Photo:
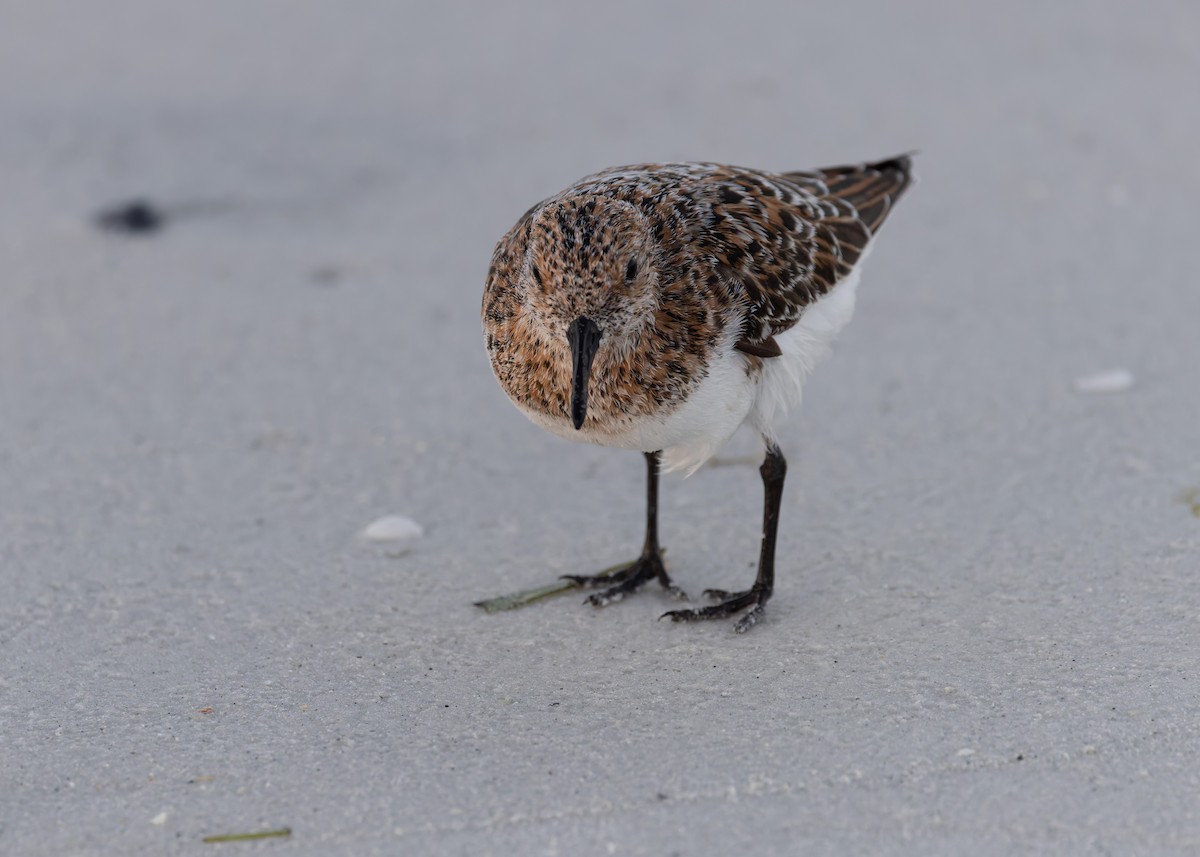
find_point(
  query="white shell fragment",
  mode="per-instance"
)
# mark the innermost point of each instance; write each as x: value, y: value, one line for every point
x: 393, y: 528
x: 1113, y: 381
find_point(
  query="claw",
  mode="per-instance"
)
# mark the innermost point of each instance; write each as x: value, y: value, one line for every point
x: 677, y: 593
x: 622, y: 580
x: 732, y: 603
x: 749, y: 620
x: 603, y: 599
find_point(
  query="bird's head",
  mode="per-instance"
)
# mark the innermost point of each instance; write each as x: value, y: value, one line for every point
x: 589, y: 281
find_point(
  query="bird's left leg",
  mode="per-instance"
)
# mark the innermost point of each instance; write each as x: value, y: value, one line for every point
x: 647, y: 567
x: 773, y: 471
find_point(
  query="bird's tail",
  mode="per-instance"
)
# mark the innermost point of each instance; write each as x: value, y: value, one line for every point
x: 871, y: 188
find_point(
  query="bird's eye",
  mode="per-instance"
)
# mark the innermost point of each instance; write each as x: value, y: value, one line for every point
x: 631, y: 269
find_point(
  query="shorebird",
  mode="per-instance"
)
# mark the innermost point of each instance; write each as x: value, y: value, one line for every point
x: 657, y: 307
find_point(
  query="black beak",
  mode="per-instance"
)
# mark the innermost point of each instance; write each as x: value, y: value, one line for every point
x: 584, y: 337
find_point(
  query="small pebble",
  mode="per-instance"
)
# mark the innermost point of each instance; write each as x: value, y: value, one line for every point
x: 393, y: 528
x: 1113, y: 381
x: 137, y: 217
x: 159, y: 819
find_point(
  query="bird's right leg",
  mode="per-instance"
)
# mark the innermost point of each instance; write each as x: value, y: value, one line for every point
x: 773, y: 471
x: 649, y: 566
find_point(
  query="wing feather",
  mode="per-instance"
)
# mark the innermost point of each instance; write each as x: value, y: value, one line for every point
x: 789, y: 238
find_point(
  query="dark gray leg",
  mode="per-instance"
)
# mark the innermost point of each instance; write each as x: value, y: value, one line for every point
x: 645, y: 568
x: 773, y: 470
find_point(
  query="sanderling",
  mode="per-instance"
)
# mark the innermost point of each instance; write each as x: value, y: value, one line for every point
x: 658, y: 307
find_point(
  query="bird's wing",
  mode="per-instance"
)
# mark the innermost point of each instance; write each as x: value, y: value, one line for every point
x: 787, y: 239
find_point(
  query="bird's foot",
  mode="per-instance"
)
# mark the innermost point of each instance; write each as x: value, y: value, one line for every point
x: 625, y: 580
x: 728, y: 604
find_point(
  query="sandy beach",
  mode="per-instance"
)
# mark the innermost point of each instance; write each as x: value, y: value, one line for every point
x: 984, y: 632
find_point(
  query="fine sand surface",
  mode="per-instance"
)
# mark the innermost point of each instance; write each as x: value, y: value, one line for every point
x: 984, y: 637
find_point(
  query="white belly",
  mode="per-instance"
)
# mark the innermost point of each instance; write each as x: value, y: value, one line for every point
x: 804, y: 345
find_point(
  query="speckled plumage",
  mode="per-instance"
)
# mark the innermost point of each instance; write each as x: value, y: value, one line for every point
x: 726, y: 248
x: 711, y: 287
